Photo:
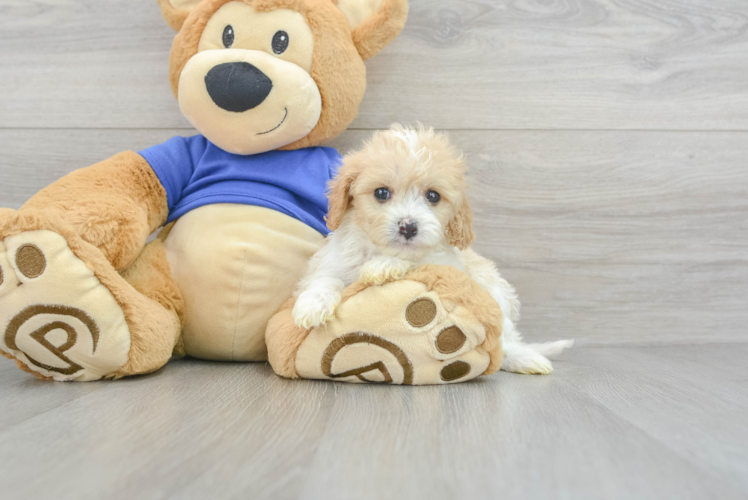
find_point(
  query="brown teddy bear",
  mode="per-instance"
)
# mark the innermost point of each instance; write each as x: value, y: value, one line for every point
x: 83, y: 296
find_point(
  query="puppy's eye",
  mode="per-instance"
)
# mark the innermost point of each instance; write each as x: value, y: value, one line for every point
x: 228, y: 36
x: 433, y: 197
x: 382, y: 194
x: 280, y: 42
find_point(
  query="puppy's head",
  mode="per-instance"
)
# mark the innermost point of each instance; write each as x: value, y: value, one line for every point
x: 406, y: 190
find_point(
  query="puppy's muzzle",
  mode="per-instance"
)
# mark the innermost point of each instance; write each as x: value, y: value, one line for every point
x: 237, y: 86
x: 408, y: 229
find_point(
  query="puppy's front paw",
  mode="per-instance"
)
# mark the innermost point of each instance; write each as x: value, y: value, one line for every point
x: 383, y: 269
x: 314, y: 308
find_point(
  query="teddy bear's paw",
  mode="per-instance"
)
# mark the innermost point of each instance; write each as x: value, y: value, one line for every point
x: 399, y: 333
x: 55, y: 315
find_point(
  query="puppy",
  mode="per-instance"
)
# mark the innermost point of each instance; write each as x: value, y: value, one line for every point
x: 400, y: 203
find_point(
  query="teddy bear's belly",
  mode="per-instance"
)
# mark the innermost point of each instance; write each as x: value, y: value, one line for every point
x: 235, y: 265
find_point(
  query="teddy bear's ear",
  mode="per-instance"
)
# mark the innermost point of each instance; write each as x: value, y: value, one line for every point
x: 374, y: 23
x: 176, y: 11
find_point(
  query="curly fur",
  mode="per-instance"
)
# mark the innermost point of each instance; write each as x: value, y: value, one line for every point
x: 368, y: 244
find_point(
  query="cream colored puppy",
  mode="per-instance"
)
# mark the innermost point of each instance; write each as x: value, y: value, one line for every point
x: 396, y: 204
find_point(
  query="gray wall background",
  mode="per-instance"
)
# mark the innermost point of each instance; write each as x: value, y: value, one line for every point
x: 608, y: 139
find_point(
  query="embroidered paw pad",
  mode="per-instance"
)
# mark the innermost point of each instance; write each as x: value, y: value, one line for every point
x: 398, y: 333
x: 55, y: 315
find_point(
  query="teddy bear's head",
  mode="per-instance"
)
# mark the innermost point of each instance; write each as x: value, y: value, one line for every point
x: 258, y: 75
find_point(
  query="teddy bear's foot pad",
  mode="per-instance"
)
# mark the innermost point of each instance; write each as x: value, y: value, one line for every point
x: 398, y: 333
x: 55, y: 315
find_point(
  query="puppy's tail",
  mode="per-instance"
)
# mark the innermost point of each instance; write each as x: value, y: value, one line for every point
x: 551, y: 349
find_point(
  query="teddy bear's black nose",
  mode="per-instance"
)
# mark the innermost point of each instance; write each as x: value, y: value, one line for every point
x: 237, y: 86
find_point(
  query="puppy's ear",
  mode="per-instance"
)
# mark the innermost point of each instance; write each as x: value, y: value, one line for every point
x: 374, y: 23
x: 460, y: 228
x: 176, y: 11
x: 340, y: 196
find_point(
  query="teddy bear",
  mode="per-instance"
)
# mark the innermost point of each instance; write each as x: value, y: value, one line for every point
x: 86, y: 293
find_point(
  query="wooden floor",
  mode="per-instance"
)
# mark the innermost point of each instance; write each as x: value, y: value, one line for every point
x: 612, y: 422
x: 608, y: 146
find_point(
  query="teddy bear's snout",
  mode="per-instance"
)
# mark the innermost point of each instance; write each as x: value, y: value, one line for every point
x: 237, y: 86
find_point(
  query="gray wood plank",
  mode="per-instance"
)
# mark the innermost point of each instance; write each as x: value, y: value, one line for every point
x: 631, y: 238
x: 510, y: 437
x: 16, y: 385
x: 609, y: 423
x: 619, y: 237
x: 579, y: 64
x: 147, y: 436
x: 666, y: 398
x: 610, y: 237
x: 33, y: 159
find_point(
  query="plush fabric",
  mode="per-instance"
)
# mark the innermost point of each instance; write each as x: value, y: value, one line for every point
x: 83, y: 297
x: 176, y: 11
x: 61, y: 313
x: 358, y: 11
x: 113, y: 205
x: 234, y: 275
x: 149, y: 324
x: 288, y: 113
x: 208, y: 285
x: 195, y: 173
x: 373, y: 33
x: 253, y: 28
x: 283, y: 339
x: 338, y: 68
x: 434, y: 326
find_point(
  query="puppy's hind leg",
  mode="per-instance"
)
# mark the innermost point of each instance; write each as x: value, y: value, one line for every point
x: 519, y: 357
x: 530, y: 359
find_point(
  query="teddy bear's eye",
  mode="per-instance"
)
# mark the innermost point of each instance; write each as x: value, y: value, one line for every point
x: 433, y: 197
x: 280, y: 42
x: 228, y: 36
x: 382, y: 194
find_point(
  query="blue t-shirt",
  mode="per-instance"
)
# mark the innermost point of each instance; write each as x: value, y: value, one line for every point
x: 195, y: 173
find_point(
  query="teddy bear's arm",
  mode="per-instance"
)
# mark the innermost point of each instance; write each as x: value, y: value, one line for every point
x: 114, y: 205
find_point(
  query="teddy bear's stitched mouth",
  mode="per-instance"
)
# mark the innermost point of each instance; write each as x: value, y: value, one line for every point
x: 277, y: 126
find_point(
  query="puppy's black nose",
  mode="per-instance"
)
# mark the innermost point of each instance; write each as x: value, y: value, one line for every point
x: 237, y: 86
x: 409, y: 229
